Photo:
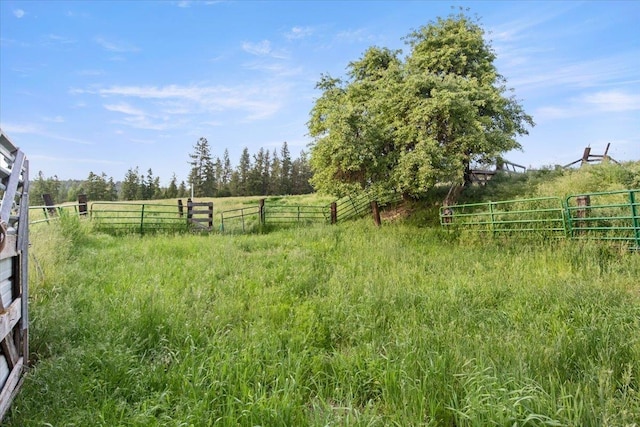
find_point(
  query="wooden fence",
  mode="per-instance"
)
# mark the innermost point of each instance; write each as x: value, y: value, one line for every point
x: 14, y: 244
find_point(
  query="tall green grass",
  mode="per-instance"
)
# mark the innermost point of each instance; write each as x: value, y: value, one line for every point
x: 329, y: 325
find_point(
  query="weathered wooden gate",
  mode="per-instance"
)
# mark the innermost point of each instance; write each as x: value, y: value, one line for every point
x: 14, y: 244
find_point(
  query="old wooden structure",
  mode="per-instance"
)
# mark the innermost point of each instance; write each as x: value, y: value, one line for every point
x: 587, y: 157
x: 199, y: 215
x: 14, y: 244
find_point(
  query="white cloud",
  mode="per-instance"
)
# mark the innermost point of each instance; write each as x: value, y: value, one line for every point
x: 613, y: 100
x: 34, y: 129
x: 74, y: 160
x: 19, y: 128
x: 124, y: 109
x: 299, y: 33
x: 90, y: 72
x: 118, y: 46
x: 18, y: 13
x: 262, y: 48
x: 54, y: 38
x: 355, y: 36
x: 56, y: 119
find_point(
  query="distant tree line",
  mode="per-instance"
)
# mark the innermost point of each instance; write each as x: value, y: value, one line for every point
x: 263, y: 173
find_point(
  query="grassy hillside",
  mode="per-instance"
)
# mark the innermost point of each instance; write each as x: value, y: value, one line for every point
x: 333, y: 325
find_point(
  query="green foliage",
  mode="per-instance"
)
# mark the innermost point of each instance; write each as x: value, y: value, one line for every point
x: 340, y: 325
x: 409, y: 125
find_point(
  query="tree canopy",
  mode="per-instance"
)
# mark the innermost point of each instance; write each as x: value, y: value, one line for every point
x: 405, y: 125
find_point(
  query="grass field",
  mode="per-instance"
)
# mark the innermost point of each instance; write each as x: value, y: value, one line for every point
x: 329, y: 325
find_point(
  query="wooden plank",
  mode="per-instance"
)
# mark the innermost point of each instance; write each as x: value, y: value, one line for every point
x: 4, y: 370
x: 6, y: 268
x: 10, y: 388
x: 10, y: 351
x: 9, y: 249
x: 10, y: 317
x: 6, y: 293
x: 200, y: 219
x: 12, y: 187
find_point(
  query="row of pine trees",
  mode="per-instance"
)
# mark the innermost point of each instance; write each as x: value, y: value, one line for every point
x: 261, y: 174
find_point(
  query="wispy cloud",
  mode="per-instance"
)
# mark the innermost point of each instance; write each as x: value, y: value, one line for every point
x: 75, y: 160
x: 261, y: 48
x: 116, y: 46
x: 602, y: 102
x: 18, y: 13
x: 137, y: 118
x: 56, y: 119
x: 57, y: 39
x: 256, y: 102
x: 35, y: 129
x: 143, y: 141
x: 90, y: 72
x: 189, y: 3
x: 124, y: 109
x: 298, y: 33
x: 614, y: 100
x: 355, y: 36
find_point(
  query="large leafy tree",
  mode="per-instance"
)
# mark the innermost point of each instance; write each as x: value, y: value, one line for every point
x: 406, y: 124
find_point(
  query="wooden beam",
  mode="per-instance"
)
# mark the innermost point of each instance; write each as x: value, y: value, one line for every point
x: 10, y: 387
x: 10, y: 317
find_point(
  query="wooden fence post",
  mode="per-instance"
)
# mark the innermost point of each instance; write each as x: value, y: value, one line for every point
x: 180, y: 208
x: 584, y: 202
x: 210, y: 207
x: 48, y: 202
x: 189, y: 210
x: 262, y: 216
x: 376, y: 212
x: 334, y: 213
x: 82, y: 204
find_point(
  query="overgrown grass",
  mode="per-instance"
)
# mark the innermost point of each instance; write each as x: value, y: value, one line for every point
x: 329, y: 325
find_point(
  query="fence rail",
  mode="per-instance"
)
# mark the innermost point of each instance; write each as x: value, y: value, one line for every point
x: 143, y: 218
x: 541, y: 215
x: 282, y: 214
x: 48, y: 213
x: 612, y: 215
x: 240, y: 219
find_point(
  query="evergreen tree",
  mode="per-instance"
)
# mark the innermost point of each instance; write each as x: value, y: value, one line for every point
x: 285, y: 169
x: 300, y: 175
x: 275, y: 186
x: 182, y: 190
x: 129, y: 189
x: 244, y: 169
x: 172, y: 189
x: 41, y: 186
x: 201, y: 176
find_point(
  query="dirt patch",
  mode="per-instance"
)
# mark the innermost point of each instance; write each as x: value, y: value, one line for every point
x: 396, y: 212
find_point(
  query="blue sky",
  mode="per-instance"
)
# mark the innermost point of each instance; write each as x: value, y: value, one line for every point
x: 111, y: 85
